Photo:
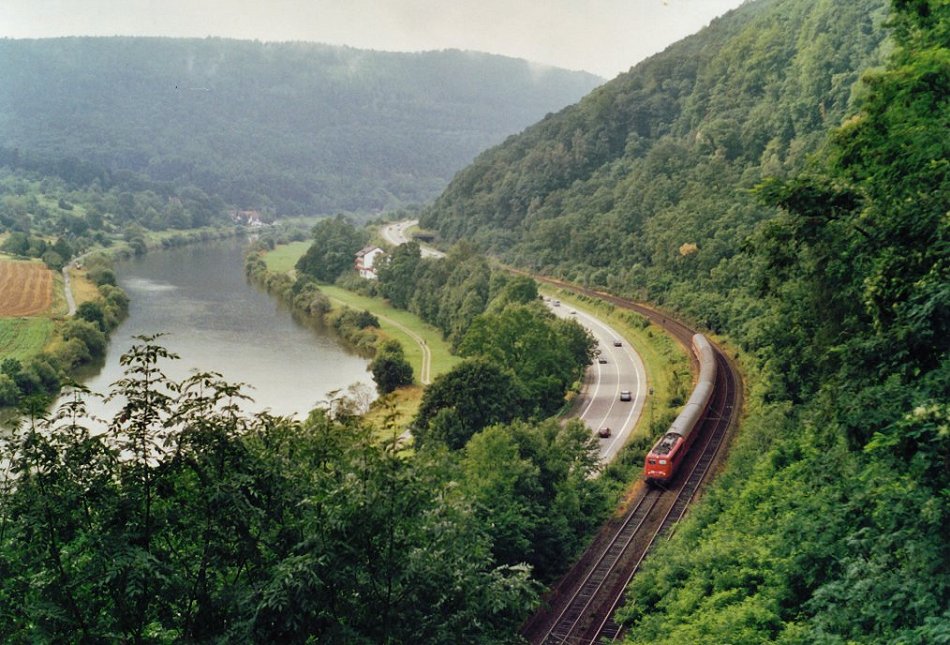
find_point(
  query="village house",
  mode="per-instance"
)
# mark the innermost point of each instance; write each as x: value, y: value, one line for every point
x: 251, y: 218
x: 366, y: 259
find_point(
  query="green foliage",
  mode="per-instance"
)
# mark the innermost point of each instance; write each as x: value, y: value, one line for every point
x: 389, y: 367
x: 473, y: 395
x: 831, y: 275
x: 92, y: 312
x: 533, y: 487
x: 88, y: 332
x: 40, y: 228
x: 507, y: 290
x: 356, y: 319
x: 830, y: 526
x: 397, y: 274
x: 189, y: 521
x: 309, y: 299
x: 545, y: 354
x: 333, y: 250
x: 643, y: 186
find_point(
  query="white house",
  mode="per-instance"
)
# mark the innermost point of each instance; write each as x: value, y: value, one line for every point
x: 366, y: 259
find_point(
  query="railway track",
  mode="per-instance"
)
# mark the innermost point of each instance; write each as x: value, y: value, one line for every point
x: 582, y: 606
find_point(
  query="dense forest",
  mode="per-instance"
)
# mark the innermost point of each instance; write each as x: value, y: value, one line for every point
x: 291, y: 127
x: 182, y: 519
x: 620, y: 189
x: 746, y: 180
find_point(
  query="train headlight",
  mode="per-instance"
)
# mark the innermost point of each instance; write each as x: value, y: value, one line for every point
x: 663, y: 462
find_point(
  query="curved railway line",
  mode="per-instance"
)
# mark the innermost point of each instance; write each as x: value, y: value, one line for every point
x: 581, y: 606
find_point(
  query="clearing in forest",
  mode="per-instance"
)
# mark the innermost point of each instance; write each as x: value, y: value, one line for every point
x: 26, y: 288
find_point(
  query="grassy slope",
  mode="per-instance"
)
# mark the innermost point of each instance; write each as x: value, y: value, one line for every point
x: 406, y: 401
x: 23, y: 338
x: 283, y: 258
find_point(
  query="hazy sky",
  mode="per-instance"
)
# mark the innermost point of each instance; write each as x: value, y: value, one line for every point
x: 601, y: 36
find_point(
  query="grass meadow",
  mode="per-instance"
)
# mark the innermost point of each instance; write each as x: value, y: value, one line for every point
x: 21, y: 338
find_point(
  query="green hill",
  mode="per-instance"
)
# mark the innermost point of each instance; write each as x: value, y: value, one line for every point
x: 609, y: 190
x: 294, y: 126
x: 745, y: 180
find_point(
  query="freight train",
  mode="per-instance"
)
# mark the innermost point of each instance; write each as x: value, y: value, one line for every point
x: 666, y: 456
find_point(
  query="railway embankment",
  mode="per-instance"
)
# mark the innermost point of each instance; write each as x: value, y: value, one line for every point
x: 580, y: 607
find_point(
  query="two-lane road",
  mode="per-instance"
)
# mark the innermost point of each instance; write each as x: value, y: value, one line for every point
x: 395, y: 234
x: 599, y: 405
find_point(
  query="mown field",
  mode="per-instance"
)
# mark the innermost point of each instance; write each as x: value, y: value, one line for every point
x: 26, y: 288
x: 22, y: 338
x: 283, y: 258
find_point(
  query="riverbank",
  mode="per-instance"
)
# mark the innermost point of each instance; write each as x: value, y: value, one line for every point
x: 426, y: 351
x: 71, y: 330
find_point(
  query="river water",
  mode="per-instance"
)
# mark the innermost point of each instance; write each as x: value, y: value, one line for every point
x: 216, y: 321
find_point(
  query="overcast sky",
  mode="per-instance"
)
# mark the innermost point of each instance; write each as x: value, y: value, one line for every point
x: 605, y: 37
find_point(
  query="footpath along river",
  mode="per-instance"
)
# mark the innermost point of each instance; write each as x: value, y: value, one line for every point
x: 216, y: 321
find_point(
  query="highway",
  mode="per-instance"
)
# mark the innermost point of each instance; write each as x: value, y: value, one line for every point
x: 395, y: 234
x: 599, y: 404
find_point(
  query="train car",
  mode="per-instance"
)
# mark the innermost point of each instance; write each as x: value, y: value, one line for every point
x: 667, y: 454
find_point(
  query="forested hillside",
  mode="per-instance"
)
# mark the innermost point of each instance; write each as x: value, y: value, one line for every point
x: 296, y: 127
x: 644, y: 184
x: 742, y: 179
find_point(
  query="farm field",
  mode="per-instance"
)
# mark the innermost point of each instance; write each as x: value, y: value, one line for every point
x: 26, y: 288
x: 22, y: 338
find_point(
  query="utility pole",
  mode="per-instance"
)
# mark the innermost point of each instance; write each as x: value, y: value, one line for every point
x: 651, y: 410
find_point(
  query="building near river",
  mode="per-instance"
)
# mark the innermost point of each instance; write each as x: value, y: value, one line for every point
x: 366, y: 259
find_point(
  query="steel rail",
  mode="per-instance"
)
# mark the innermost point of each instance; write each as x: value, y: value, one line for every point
x: 567, y: 621
x: 608, y: 628
x: 721, y: 416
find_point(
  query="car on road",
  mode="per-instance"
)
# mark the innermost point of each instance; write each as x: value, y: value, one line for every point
x: 625, y: 395
x: 617, y: 343
x: 604, y: 432
x: 601, y: 360
x: 557, y: 303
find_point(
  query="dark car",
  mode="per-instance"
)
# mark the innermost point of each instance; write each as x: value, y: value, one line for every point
x: 625, y: 395
x: 617, y: 343
x: 604, y: 432
x: 601, y: 360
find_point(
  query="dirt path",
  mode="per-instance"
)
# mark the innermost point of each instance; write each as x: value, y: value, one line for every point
x: 426, y: 370
x: 68, y: 290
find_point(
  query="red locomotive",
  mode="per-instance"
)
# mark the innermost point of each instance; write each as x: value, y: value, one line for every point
x: 668, y: 453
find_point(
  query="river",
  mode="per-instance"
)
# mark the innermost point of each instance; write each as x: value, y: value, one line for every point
x: 215, y: 321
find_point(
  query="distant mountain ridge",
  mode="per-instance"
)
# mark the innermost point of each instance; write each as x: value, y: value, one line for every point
x: 299, y: 127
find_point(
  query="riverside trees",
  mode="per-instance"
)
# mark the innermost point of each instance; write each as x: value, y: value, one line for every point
x: 189, y: 520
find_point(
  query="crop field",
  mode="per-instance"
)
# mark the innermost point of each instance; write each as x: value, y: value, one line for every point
x: 21, y: 338
x: 26, y: 288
